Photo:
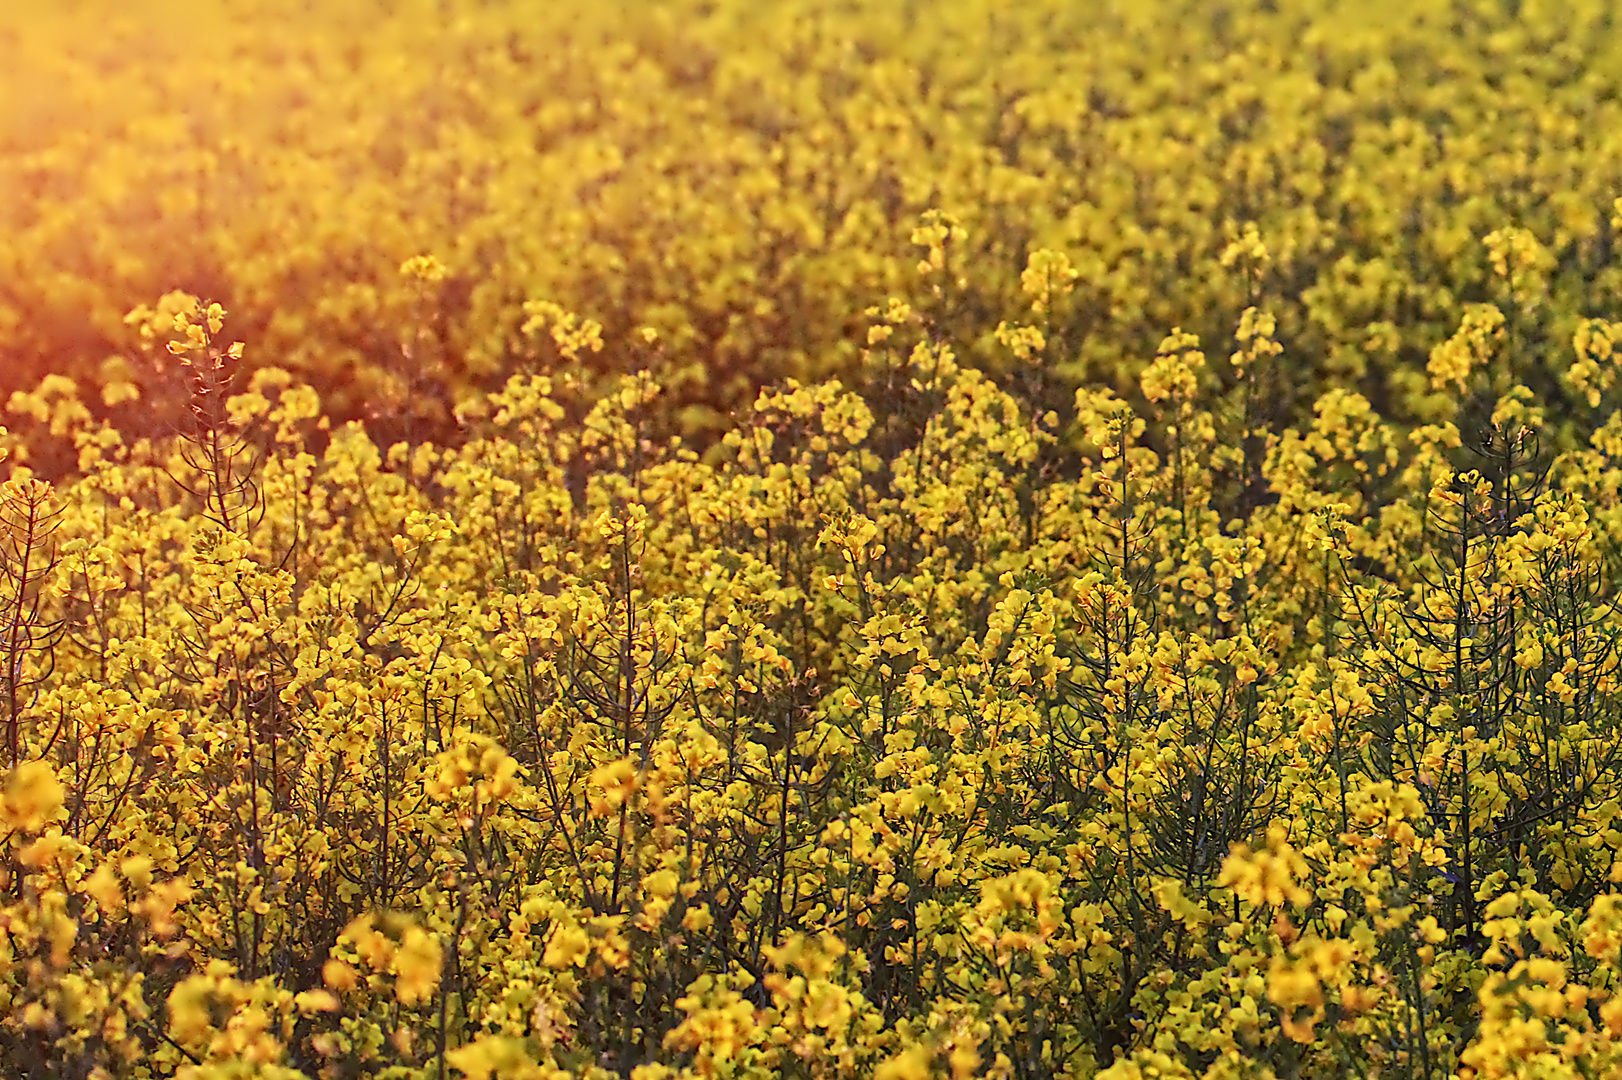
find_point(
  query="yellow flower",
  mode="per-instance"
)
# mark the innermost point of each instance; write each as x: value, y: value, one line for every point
x: 314, y: 1001
x: 1270, y: 876
x: 425, y: 268
x: 416, y: 965
x: 1470, y: 347
x: 1047, y: 275
x: 33, y: 797
x: 912, y: 1063
x: 103, y: 887
x: 611, y: 785
x: 1024, y: 341
x: 489, y: 1056
x: 338, y: 975
x: 568, y: 946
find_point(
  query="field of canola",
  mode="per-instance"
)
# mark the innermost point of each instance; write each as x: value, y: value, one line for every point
x: 811, y: 539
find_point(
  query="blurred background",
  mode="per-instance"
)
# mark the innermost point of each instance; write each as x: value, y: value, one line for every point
x: 745, y: 177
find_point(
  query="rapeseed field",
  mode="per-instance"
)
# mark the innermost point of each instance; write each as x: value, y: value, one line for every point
x: 810, y: 539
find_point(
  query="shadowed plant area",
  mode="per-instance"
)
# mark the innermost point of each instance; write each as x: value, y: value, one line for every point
x: 812, y: 540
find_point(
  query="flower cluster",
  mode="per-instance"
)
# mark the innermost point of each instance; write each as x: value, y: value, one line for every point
x: 1111, y: 713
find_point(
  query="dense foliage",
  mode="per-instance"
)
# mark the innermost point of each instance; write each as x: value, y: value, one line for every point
x: 745, y: 176
x: 868, y: 750
x: 1041, y: 697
